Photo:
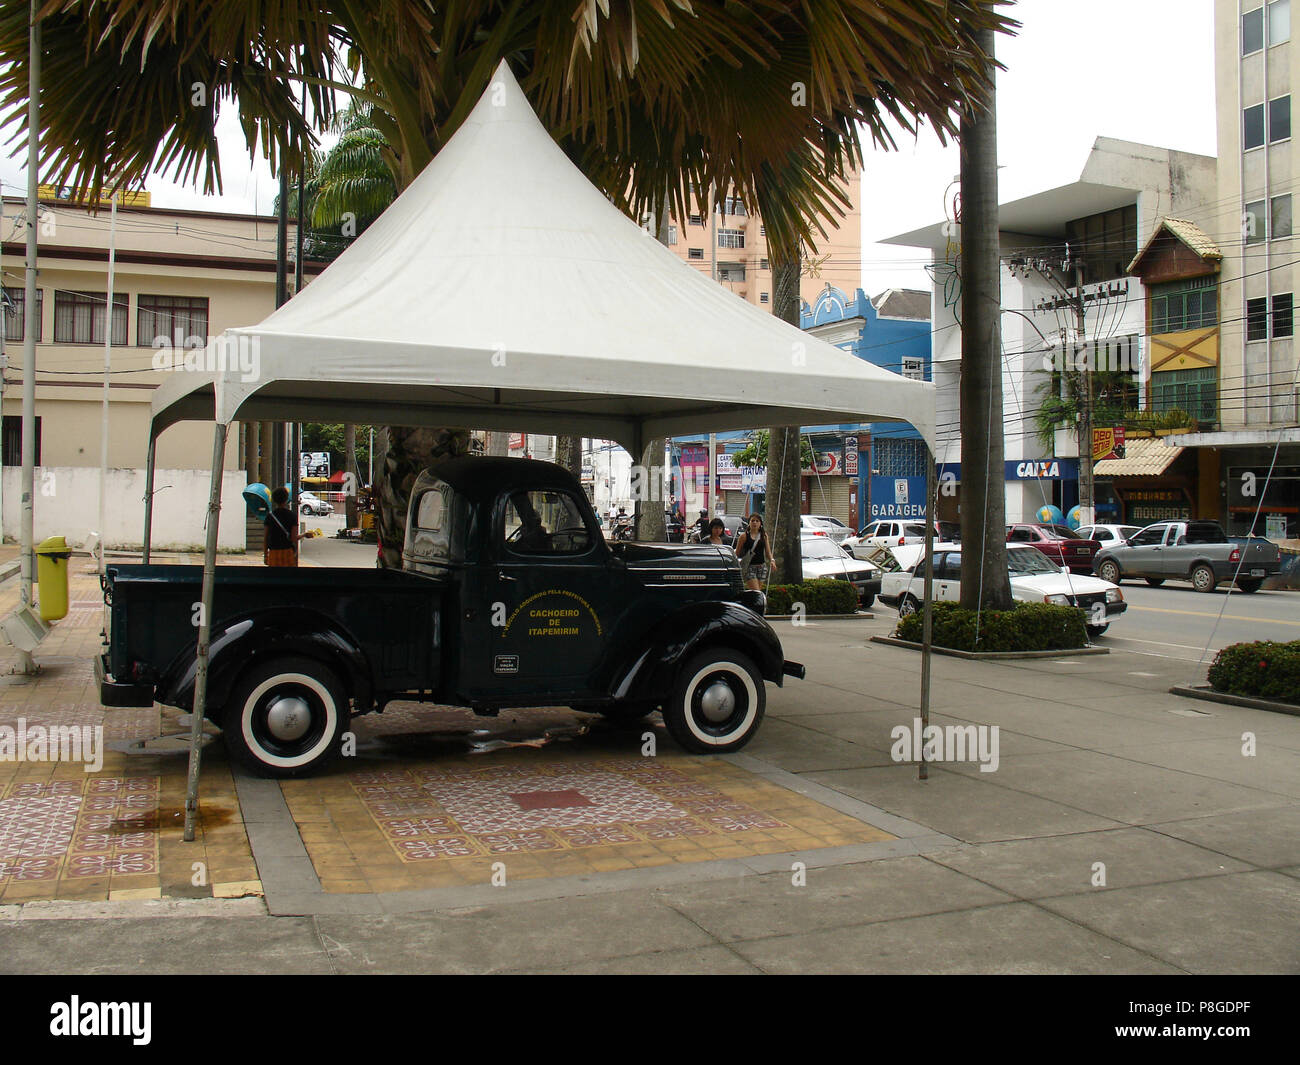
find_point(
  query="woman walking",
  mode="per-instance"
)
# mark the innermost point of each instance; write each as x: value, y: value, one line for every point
x: 754, y: 551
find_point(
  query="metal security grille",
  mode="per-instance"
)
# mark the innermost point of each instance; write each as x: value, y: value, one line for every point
x: 899, y: 458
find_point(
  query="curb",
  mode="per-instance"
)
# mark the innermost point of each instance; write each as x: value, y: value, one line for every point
x: 9, y: 569
x: 862, y: 615
x: 992, y: 656
x: 1207, y: 694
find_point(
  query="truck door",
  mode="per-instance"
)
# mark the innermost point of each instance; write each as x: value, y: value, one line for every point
x: 555, y: 594
x: 1144, y: 558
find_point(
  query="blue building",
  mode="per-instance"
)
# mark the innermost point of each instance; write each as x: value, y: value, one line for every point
x: 891, y: 331
x: 863, y: 470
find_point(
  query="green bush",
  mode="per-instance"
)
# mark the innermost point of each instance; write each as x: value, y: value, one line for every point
x: 1027, y: 627
x: 818, y: 597
x: 1263, y: 669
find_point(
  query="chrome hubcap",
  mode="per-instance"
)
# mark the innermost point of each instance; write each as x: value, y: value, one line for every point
x: 288, y: 718
x: 718, y: 702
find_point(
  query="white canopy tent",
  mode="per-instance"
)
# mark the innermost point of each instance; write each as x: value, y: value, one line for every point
x: 502, y: 290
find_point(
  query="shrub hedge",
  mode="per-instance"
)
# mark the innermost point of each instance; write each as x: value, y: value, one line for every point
x: 1262, y: 669
x: 823, y: 596
x: 1027, y: 627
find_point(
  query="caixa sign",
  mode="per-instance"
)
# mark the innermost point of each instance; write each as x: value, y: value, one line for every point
x: 1042, y: 470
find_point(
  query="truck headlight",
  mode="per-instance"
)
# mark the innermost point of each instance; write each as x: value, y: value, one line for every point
x: 1057, y: 600
x: 1114, y: 596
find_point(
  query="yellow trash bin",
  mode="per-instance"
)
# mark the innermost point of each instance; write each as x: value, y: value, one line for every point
x: 52, y: 557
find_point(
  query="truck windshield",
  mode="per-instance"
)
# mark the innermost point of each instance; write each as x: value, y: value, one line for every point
x: 545, y: 523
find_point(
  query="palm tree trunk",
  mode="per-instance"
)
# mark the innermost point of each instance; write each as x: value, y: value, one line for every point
x: 409, y: 453
x: 649, y: 512
x: 350, y: 468
x: 984, y: 581
x: 568, y: 453
x: 783, y: 502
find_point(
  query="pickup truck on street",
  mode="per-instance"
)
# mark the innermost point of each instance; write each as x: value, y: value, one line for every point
x: 509, y: 596
x: 1196, y: 551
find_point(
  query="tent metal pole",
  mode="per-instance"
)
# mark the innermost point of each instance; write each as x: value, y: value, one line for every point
x: 200, y: 707
x: 927, y: 616
x: 148, y: 495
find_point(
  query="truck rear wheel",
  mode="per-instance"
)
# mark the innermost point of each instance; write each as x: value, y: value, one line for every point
x: 1249, y: 586
x: 286, y: 717
x: 717, y: 702
x: 1203, y: 579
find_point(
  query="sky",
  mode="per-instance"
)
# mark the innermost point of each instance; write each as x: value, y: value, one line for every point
x: 1076, y: 71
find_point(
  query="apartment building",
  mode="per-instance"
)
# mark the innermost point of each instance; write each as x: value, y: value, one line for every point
x: 722, y: 233
x: 1257, y: 70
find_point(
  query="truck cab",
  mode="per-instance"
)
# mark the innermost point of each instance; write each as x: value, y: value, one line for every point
x: 509, y: 596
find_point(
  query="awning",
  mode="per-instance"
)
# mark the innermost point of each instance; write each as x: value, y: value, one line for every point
x: 1143, y: 457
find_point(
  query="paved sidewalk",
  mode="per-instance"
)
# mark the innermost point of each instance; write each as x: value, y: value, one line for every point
x: 1124, y: 830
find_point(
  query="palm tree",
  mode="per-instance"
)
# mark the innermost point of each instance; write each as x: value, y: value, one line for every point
x: 769, y: 99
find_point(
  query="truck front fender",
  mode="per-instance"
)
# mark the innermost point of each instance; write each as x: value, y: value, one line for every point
x: 239, y: 643
x: 646, y: 670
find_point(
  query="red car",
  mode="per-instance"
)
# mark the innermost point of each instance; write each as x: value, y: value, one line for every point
x: 1058, y: 543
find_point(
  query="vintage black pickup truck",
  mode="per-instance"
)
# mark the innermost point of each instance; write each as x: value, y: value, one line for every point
x: 509, y: 596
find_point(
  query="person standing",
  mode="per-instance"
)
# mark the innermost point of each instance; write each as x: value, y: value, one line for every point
x: 754, y: 552
x: 282, y: 533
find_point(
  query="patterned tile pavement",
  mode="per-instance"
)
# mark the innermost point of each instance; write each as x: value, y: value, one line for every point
x: 434, y: 797
x: 114, y: 833
x: 562, y: 811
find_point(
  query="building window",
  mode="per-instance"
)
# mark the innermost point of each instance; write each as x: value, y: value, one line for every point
x: 13, y: 440
x: 762, y: 231
x: 763, y: 264
x: 672, y: 234
x: 15, y: 318
x: 695, y: 253
x: 1254, y: 226
x: 731, y: 273
x: 913, y: 368
x: 1184, y: 305
x: 764, y: 298
x: 1256, y: 319
x: 697, y: 219
x: 1252, y: 134
x: 1279, y: 22
x: 79, y: 317
x: 1195, y: 391
x: 731, y: 238
x: 1108, y: 241
x: 172, y: 318
x: 1280, y: 218
x: 1279, y: 119
x: 1252, y: 31
x: 731, y: 206
x: 1283, y: 316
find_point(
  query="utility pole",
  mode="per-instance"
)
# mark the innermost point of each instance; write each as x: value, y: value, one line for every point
x: 25, y: 662
x: 108, y: 370
x: 1084, y: 393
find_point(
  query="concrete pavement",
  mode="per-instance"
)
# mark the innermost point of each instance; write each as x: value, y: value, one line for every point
x: 1124, y: 830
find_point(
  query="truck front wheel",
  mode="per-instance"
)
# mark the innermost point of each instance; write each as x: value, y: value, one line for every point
x: 717, y: 702
x: 286, y: 717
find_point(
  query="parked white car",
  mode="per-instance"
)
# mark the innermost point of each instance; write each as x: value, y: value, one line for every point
x: 824, y: 525
x: 886, y: 534
x: 1034, y: 579
x: 311, y: 504
x: 1107, y: 535
x: 823, y: 558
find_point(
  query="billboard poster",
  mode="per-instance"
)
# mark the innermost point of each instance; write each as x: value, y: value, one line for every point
x: 850, y: 456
